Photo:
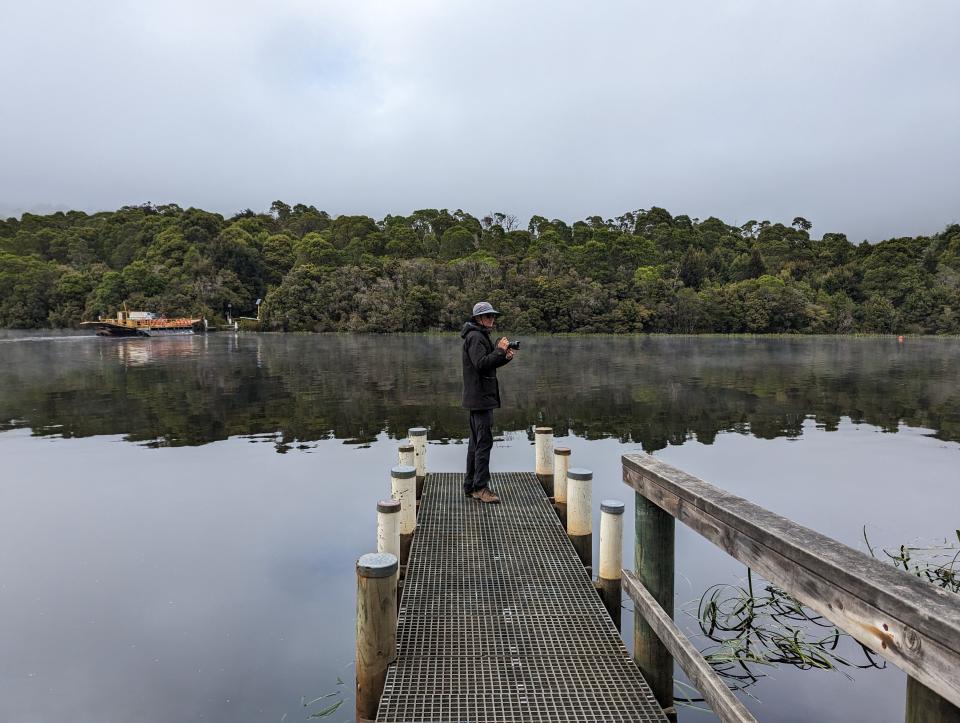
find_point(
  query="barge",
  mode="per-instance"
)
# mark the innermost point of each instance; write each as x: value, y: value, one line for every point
x: 142, y: 323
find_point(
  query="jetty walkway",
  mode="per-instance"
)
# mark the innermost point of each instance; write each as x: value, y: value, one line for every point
x: 499, y: 620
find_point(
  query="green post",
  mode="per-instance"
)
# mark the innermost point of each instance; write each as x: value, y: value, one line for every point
x: 925, y: 706
x: 653, y: 555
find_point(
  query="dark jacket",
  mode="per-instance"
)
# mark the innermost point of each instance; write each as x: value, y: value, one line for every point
x: 480, y: 361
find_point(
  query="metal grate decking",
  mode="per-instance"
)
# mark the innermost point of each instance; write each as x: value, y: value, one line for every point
x: 500, y: 622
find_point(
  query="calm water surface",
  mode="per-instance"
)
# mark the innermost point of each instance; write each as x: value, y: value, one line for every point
x: 179, y: 517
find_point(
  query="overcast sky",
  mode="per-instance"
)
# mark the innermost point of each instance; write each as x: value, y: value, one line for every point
x: 846, y: 113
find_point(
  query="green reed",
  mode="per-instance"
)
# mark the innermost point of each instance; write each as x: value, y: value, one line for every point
x: 935, y: 562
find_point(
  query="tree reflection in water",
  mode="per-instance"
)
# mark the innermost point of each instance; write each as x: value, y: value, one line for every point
x: 296, y: 389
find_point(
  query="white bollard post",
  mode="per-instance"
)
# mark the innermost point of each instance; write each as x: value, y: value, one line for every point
x: 405, y: 455
x: 580, y: 515
x: 544, y: 445
x: 561, y: 463
x: 611, y: 557
x: 388, y: 527
x: 418, y: 438
x: 388, y: 533
x: 403, y: 487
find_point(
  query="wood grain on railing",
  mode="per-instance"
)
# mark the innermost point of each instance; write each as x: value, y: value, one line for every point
x: 909, y: 622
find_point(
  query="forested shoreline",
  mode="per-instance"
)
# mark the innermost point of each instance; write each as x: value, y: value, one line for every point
x: 644, y: 271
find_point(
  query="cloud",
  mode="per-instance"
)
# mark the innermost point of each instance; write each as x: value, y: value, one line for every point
x: 841, y: 112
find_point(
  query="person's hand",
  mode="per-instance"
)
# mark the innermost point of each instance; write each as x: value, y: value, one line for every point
x: 509, y: 354
x: 503, y: 343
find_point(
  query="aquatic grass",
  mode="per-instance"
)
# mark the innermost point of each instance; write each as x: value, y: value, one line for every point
x: 751, y: 628
x: 328, y: 711
x: 769, y: 628
x: 935, y: 562
x: 690, y: 700
x: 328, y: 706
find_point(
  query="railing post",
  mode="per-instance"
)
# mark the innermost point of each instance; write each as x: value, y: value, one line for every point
x: 544, y: 446
x: 376, y: 629
x: 403, y: 487
x: 653, y: 555
x: 418, y: 438
x: 611, y: 557
x: 925, y: 706
x: 580, y: 514
x: 561, y: 463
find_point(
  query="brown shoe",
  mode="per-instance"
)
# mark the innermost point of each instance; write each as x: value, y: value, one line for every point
x: 486, y: 495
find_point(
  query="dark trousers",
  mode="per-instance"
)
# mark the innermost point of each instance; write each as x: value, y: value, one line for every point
x: 478, y: 451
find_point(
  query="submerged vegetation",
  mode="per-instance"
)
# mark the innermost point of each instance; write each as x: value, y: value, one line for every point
x: 644, y: 271
x: 750, y: 628
x: 937, y: 562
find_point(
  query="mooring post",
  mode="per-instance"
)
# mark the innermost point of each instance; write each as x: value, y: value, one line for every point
x: 388, y: 534
x: 544, y: 445
x: 653, y: 555
x: 580, y: 514
x: 405, y: 455
x: 403, y: 487
x: 926, y: 706
x: 561, y: 463
x: 611, y: 557
x: 388, y: 527
x: 376, y: 629
x: 418, y: 438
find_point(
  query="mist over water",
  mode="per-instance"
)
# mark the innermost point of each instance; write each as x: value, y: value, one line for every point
x: 656, y: 391
x: 163, y: 562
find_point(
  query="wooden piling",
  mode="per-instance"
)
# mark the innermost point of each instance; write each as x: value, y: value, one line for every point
x: 376, y: 629
x: 407, y: 458
x: 388, y: 533
x: 418, y: 438
x: 580, y: 514
x: 561, y: 463
x: 925, y: 706
x: 544, y: 445
x: 654, y: 563
x: 405, y: 455
x: 388, y: 527
x: 611, y: 557
x: 403, y: 487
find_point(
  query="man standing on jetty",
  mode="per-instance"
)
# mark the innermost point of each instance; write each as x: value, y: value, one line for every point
x: 481, y: 395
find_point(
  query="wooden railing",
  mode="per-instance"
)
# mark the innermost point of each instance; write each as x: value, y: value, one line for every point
x: 911, y: 623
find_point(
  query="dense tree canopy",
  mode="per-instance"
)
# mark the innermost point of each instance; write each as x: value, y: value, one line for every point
x: 644, y: 271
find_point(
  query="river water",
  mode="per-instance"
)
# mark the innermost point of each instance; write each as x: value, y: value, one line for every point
x: 180, y: 517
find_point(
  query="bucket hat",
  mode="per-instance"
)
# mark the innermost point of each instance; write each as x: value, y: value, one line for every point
x: 483, y: 307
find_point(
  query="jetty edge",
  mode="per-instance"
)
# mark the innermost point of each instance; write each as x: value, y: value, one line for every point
x: 495, y: 616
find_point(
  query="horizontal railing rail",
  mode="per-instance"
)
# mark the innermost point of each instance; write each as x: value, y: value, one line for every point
x: 715, y: 692
x: 911, y: 623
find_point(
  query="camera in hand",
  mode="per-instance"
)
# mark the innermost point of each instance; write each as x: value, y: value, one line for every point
x: 513, y: 345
